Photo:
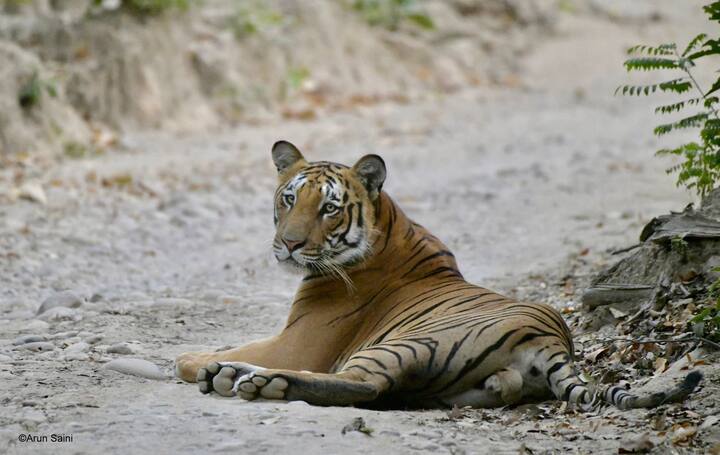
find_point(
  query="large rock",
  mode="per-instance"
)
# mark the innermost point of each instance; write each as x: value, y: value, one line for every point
x: 676, y: 258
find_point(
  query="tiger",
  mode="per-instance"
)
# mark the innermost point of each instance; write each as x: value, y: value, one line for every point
x: 383, y: 318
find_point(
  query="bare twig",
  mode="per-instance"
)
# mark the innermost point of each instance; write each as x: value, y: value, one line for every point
x: 625, y: 250
x: 692, y: 339
x: 709, y: 343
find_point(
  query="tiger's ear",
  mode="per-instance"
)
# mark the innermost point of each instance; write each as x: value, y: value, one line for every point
x: 285, y: 155
x: 372, y: 172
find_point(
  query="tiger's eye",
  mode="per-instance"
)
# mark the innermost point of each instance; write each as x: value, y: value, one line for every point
x: 330, y: 208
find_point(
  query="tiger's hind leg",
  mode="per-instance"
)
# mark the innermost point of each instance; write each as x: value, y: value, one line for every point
x: 505, y: 387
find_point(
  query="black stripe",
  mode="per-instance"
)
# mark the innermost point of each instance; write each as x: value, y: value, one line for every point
x: 381, y: 348
x: 380, y: 364
x: 471, y: 364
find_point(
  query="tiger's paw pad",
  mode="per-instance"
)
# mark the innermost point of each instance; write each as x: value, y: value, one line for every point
x: 256, y: 384
x: 220, y: 377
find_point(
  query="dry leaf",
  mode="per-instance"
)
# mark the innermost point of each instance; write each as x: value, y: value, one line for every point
x: 659, y: 422
x: 660, y: 365
x: 617, y: 314
x: 683, y: 433
x: 593, y: 356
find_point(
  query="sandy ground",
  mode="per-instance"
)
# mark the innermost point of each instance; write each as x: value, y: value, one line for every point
x: 168, y: 241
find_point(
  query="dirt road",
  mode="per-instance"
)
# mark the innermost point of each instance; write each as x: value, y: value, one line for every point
x: 168, y: 241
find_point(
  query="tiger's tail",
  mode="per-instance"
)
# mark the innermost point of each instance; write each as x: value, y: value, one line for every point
x: 567, y: 386
x: 623, y: 399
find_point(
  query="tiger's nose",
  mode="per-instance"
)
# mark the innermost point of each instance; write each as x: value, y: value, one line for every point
x: 293, y: 245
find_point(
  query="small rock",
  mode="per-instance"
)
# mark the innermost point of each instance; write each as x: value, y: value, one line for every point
x: 61, y: 314
x: 120, y: 348
x: 25, y: 339
x: 66, y: 299
x: 37, y: 325
x: 357, y: 424
x: 77, y: 347
x: 32, y: 191
x: 96, y: 298
x: 76, y: 356
x: 64, y: 335
x: 94, y: 339
x: 38, y: 346
x: 5, y: 358
x: 136, y: 367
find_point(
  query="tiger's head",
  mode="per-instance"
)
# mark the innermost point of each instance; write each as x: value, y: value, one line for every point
x: 324, y: 212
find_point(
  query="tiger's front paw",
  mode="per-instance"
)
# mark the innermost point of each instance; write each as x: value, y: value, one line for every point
x: 260, y: 383
x: 220, y: 377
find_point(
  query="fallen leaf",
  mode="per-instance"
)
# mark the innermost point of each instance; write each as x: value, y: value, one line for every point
x: 682, y: 434
x: 617, y: 314
x: 593, y: 356
x: 660, y: 365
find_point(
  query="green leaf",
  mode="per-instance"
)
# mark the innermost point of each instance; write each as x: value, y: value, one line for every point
x: 693, y: 121
x: 709, y: 47
x: 715, y: 87
x: 676, y: 107
x: 650, y: 63
x: 663, y: 49
x: 713, y: 10
x: 693, y: 43
x: 680, y: 85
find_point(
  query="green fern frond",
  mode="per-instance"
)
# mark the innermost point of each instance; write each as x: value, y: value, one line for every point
x: 650, y: 63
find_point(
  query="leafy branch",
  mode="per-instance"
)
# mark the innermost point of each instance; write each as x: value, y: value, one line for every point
x: 700, y: 168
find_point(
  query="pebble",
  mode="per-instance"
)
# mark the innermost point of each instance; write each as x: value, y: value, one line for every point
x: 76, y: 356
x: 64, y: 335
x: 77, y: 347
x: 120, y: 348
x: 136, y: 367
x: 25, y: 339
x: 37, y: 325
x: 38, y: 346
x: 33, y: 191
x: 60, y: 314
x: 67, y: 299
x: 5, y: 358
x: 94, y: 339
